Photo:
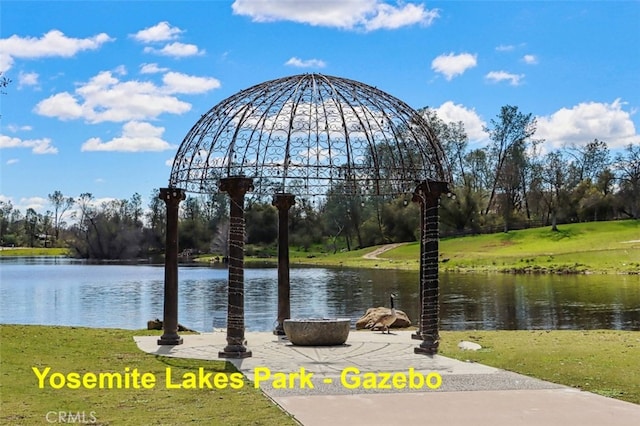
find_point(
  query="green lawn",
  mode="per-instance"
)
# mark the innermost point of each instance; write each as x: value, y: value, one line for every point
x: 90, y: 350
x: 34, y: 251
x: 601, y: 247
x: 600, y: 361
x: 594, y: 246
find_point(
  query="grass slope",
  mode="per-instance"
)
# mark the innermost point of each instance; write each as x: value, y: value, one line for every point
x: 603, y: 247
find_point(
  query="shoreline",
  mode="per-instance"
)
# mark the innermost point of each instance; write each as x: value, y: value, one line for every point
x: 603, y: 248
x: 350, y: 263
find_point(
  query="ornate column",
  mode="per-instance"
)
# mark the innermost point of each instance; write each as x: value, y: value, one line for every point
x: 236, y: 187
x: 172, y: 198
x: 420, y: 200
x: 427, y: 194
x: 283, y: 202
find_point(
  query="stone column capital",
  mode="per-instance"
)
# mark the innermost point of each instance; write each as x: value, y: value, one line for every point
x: 283, y: 200
x: 172, y: 195
x: 236, y: 185
x: 429, y: 189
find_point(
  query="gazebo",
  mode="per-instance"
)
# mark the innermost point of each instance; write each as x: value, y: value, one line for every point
x: 305, y: 136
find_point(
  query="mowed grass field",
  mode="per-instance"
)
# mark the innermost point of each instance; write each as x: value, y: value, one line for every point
x: 33, y: 251
x: 89, y: 350
x: 599, y: 361
x: 598, y: 247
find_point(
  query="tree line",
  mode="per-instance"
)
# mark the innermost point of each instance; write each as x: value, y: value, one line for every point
x: 508, y: 184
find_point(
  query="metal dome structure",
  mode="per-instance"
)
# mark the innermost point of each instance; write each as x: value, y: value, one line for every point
x: 305, y: 135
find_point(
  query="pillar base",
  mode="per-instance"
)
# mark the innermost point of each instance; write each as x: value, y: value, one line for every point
x: 236, y: 352
x: 279, y: 330
x: 170, y: 340
x: 427, y: 347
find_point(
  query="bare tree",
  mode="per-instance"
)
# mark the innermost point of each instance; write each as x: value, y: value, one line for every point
x: 61, y: 206
x: 6, y: 209
x: 31, y: 226
x: 590, y: 160
x: 454, y: 140
x: 510, y: 134
x: 628, y: 168
x: 553, y: 175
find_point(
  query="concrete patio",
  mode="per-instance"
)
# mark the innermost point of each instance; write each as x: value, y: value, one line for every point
x: 343, y: 380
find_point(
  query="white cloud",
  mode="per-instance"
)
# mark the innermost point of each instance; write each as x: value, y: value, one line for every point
x: 38, y: 146
x: 530, y: 59
x: 53, y: 43
x: 136, y: 137
x: 498, y: 76
x: 152, y: 69
x: 176, y: 50
x: 15, y: 128
x: 75, y: 212
x: 368, y: 15
x: 102, y: 201
x: 162, y: 31
x: 36, y: 203
x: 587, y: 121
x: 452, y: 65
x: 106, y: 98
x: 11, y: 161
x: 61, y: 105
x: 505, y: 48
x: 120, y: 70
x: 473, y: 124
x: 305, y: 63
x: 390, y: 17
x: 6, y: 62
x: 27, y: 79
x: 175, y: 82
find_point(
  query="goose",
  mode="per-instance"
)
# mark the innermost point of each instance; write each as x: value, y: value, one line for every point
x: 386, y: 320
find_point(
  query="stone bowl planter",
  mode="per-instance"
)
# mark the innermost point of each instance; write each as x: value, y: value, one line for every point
x: 317, y: 331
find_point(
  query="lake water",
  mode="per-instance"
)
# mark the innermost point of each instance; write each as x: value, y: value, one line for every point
x: 60, y: 291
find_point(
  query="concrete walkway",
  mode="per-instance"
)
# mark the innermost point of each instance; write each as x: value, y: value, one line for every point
x: 380, y: 250
x: 337, y: 385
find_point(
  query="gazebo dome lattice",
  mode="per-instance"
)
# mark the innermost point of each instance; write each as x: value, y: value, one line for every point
x: 307, y: 133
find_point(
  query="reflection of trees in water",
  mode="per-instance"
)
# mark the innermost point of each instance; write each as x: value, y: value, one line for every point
x: 69, y: 292
x: 467, y: 301
x: 510, y: 302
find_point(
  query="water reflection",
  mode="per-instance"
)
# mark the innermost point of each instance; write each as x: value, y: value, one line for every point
x: 65, y: 292
x: 499, y: 301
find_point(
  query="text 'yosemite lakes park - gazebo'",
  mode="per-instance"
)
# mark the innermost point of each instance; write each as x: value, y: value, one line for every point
x: 308, y: 135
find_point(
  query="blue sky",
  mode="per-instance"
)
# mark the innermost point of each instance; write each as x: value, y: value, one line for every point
x: 103, y: 93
